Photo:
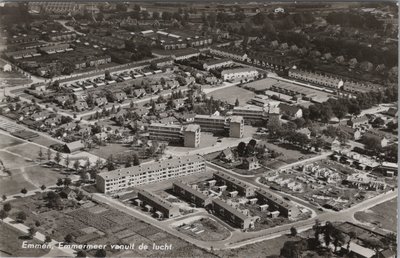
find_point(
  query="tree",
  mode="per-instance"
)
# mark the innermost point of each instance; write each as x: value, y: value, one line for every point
x: 136, y: 161
x: 68, y: 238
x: 7, y: 207
x: 107, y: 75
x: 156, y: 15
x: 21, y: 217
x: 24, y: 191
x: 81, y: 253
x: 67, y: 181
x: 241, y: 148
x: 40, y: 155
x: 4, y: 197
x: 31, y: 232
x: 76, y: 165
x: 237, y: 102
x: 100, y: 253
x: 43, y: 187
x: 67, y: 161
x: 3, y: 214
x: 338, y: 238
x: 48, y: 154
x: 37, y: 223
x: 59, y: 182
x: 47, y: 239
x: 110, y: 163
x: 293, y: 231
x: 57, y: 158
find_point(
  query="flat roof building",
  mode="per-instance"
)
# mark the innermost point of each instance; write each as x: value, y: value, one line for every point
x: 235, y: 184
x: 277, y: 203
x: 166, y: 208
x: 232, y: 215
x: 190, y: 194
x: 123, y: 178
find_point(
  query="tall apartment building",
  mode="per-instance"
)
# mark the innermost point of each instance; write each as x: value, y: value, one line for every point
x: 277, y: 203
x: 163, y: 207
x: 235, y: 184
x: 191, y: 194
x: 189, y: 135
x: 236, y: 126
x: 219, y: 124
x: 120, y: 179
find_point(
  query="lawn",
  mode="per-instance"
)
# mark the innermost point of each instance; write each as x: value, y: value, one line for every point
x: 111, y: 149
x: 261, y: 85
x: 8, y: 141
x: 231, y: 94
x: 383, y: 215
x: 11, y: 241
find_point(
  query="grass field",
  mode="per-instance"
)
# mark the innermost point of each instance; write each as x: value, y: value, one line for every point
x: 18, y: 158
x: 11, y: 241
x: 231, y: 94
x: 384, y: 215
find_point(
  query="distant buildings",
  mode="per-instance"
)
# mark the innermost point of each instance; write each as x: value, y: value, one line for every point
x: 191, y: 194
x: 235, y: 184
x: 121, y: 179
x: 277, y: 203
x: 232, y: 215
x: 239, y: 73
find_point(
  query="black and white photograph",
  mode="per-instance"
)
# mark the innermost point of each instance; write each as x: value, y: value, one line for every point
x: 209, y: 129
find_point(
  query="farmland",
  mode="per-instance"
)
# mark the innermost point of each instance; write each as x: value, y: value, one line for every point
x: 384, y: 215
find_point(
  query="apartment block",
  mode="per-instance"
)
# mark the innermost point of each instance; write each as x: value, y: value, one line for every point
x: 236, y: 126
x: 239, y: 73
x: 153, y: 203
x: 120, y: 179
x: 189, y: 135
x: 191, y: 194
x: 232, y: 215
x: 235, y: 184
x: 277, y: 203
x: 219, y: 124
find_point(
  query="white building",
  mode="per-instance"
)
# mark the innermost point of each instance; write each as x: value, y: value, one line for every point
x: 239, y: 73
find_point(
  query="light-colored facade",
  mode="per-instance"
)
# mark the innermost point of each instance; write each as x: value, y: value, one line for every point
x: 236, y: 127
x: 120, y: 179
x: 278, y: 203
x: 166, y: 208
x: 191, y: 136
x: 165, y: 132
x: 211, y: 123
x: 239, y: 73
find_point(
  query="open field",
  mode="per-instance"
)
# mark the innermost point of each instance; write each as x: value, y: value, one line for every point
x: 101, y: 224
x: 383, y: 215
x: 231, y: 94
x: 261, y: 85
x: 24, y: 172
x: 11, y: 241
x: 111, y: 149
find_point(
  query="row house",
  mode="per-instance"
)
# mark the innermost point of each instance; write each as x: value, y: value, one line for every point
x: 161, y: 207
x: 229, y: 53
x: 191, y: 194
x: 239, y: 73
x: 62, y: 36
x: 110, y: 42
x: 319, y: 79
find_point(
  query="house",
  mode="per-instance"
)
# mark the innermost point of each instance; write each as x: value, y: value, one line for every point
x: 357, y: 122
x: 227, y: 155
x: 387, y: 254
x: 38, y: 116
x: 340, y: 60
x: 100, y: 101
x: 53, y: 121
x: 374, y: 134
x: 353, y: 63
x: 366, y: 66
x: 250, y: 163
x: 81, y: 106
x: 139, y: 93
x: 291, y: 111
x: 73, y: 146
x: 68, y: 126
x: 140, y: 112
x: 61, y: 99
x: 330, y: 142
x: 67, y: 193
x: 120, y: 96
x: 6, y: 67
x: 354, y: 133
x: 356, y: 250
x: 393, y: 112
x: 327, y: 56
x: 304, y: 131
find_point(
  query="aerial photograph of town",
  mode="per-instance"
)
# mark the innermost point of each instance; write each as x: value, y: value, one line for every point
x: 211, y: 129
